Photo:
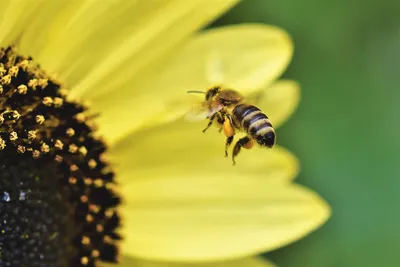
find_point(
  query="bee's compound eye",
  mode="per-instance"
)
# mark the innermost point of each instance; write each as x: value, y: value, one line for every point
x: 209, y: 95
x: 212, y: 92
x: 268, y: 139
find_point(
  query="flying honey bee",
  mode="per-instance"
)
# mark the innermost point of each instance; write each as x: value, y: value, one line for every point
x: 228, y: 109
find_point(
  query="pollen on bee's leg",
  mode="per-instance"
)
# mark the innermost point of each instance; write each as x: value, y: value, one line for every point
x: 249, y: 144
x: 57, y: 205
x: 228, y: 128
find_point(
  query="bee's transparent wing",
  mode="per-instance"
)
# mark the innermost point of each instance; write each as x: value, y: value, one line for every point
x: 197, y: 113
x: 200, y: 112
x: 256, y: 97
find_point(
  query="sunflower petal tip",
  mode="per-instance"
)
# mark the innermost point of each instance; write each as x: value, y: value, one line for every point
x: 292, y: 161
x: 322, y: 211
x: 326, y: 211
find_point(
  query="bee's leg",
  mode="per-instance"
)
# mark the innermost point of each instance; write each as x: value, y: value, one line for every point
x: 245, y: 142
x: 227, y: 144
x: 229, y: 132
x: 210, y: 122
x: 228, y: 126
x: 220, y: 120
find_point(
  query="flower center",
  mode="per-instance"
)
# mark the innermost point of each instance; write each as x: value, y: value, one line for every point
x: 57, y: 204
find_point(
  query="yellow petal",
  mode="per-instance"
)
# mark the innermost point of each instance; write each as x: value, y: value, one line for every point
x: 14, y: 16
x: 280, y: 101
x: 92, y: 42
x: 250, y: 56
x: 40, y: 18
x: 187, y: 217
x: 185, y: 148
x: 246, y: 262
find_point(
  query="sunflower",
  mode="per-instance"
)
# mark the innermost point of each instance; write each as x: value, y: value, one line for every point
x: 93, y: 149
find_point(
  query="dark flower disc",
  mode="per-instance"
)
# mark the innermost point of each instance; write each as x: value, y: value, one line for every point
x: 57, y: 203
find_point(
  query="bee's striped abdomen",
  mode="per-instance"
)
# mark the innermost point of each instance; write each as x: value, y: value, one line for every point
x: 255, y: 123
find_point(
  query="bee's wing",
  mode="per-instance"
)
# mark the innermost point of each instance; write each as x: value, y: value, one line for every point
x: 200, y: 112
x: 197, y: 113
x: 255, y: 97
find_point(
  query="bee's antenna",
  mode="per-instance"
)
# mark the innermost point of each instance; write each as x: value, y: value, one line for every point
x: 196, y: 92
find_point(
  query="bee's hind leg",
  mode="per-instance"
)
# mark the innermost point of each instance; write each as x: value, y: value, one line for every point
x: 229, y: 132
x: 245, y: 142
x: 227, y: 144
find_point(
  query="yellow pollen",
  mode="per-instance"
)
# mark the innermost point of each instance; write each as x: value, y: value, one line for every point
x: 109, y: 213
x: 94, y: 208
x: 16, y: 115
x: 73, y: 168
x: 99, y: 228
x: 6, y: 80
x: 89, y: 218
x: 31, y: 135
x: 84, y: 199
x: 2, y: 70
x: 85, y: 240
x: 35, y: 154
x: 95, y: 253
x: 47, y: 101
x: 39, y: 119
x: 70, y: 132
x: 13, y: 71
x: 58, y: 158
x: 2, y: 144
x: 45, y: 148
x: 22, y: 89
x: 107, y: 239
x: 57, y: 102
x: 33, y: 83
x: 23, y: 64
x: 88, y: 181
x: 72, y: 148
x: 59, y: 145
x: 83, y: 150
x: 84, y: 260
x: 72, y: 180
x: 80, y: 117
x: 92, y: 163
x: 98, y: 183
x: 13, y: 136
x: 21, y: 149
x: 43, y: 83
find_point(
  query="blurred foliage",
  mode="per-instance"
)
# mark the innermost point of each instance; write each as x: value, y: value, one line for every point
x: 346, y: 131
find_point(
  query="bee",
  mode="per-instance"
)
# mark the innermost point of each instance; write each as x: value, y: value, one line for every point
x: 228, y: 109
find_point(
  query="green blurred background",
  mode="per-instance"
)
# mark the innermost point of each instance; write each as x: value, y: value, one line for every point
x: 346, y: 131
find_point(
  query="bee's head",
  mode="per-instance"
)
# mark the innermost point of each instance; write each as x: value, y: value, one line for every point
x: 212, y: 92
